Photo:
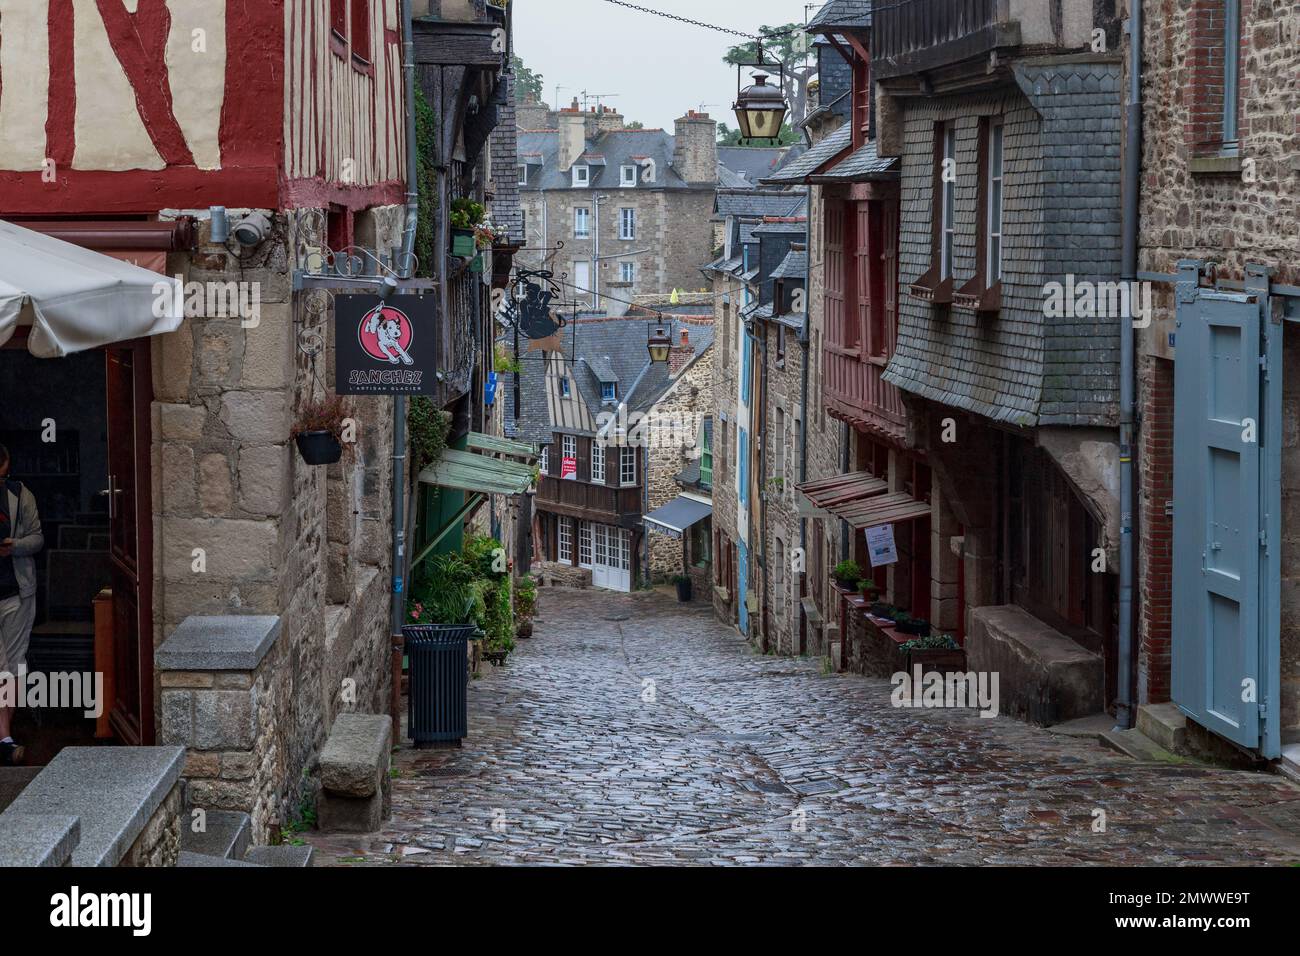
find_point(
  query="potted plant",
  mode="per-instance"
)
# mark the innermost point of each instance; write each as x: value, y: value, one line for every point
x: 868, y: 588
x: 938, y: 652
x: 318, y: 431
x: 466, y: 215
x: 847, y: 574
x: 906, y: 624
x: 683, y: 584
x: 525, y: 606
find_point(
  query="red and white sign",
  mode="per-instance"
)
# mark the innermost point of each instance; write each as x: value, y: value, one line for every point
x: 569, y: 469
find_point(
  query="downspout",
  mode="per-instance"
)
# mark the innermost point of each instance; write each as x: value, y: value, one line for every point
x: 406, y: 268
x: 805, y: 336
x: 1127, y: 364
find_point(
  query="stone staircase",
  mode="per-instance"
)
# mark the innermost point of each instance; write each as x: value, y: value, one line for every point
x: 226, y: 842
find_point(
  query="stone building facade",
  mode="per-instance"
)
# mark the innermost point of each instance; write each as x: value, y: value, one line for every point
x: 681, y: 436
x: 1233, y: 201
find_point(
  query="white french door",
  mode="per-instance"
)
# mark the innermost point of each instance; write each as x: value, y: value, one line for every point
x: 611, y: 560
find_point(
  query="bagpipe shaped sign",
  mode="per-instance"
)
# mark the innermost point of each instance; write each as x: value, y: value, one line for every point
x: 385, y: 347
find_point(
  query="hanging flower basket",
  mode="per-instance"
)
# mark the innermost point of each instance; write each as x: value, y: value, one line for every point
x: 319, y: 448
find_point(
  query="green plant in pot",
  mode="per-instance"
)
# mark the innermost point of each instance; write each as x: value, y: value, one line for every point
x: 466, y: 216
x: 319, y: 430
x: 868, y: 588
x: 525, y: 606
x: 933, y: 642
x: 847, y: 574
x: 906, y: 624
x: 683, y: 584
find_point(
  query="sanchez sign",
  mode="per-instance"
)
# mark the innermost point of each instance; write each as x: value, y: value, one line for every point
x: 385, y: 347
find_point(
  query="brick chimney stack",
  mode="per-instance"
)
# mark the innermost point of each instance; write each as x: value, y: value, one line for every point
x: 609, y: 120
x: 681, y: 355
x: 695, y: 148
x: 573, y: 136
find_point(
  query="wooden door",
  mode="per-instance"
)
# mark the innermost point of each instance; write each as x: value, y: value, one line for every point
x: 131, y: 540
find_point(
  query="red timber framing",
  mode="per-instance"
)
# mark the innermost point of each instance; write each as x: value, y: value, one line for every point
x: 253, y: 134
x: 861, y: 282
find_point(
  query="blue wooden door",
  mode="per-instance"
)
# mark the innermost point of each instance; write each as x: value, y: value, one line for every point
x: 1218, y: 526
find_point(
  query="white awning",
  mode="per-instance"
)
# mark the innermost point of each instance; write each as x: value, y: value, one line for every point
x: 75, y: 299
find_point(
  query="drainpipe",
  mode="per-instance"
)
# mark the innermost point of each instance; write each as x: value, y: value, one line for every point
x: 805, y: 336
x: 1124, y: 711
x: 405, y: 266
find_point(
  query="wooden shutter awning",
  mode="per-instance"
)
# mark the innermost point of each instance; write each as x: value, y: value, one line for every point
x: 861, y: 499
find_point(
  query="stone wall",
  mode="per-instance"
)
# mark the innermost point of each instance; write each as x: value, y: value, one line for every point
x: 1231, y: 211
x: 159, y: 843
x: 784, y: 407
x: 727, y: 303
x: 243, y: 526
x: 673, y: 234
x: 690, y: 400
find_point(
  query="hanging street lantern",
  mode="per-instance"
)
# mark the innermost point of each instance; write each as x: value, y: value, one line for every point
x: 761, y: 109
x: 661, y: 345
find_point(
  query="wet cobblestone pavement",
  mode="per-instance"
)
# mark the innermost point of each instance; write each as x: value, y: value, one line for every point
x: 733, y: 758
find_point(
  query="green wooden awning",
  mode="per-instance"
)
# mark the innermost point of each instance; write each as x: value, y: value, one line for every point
x: 468, y: 471
x: 492, y: 445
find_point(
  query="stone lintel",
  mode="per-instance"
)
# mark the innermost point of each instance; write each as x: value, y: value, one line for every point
x: 37, y: 839
x: 114, y: 792
x: 232, y: 643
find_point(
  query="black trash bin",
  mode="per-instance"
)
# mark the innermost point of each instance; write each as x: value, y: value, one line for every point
x: 437, y: 655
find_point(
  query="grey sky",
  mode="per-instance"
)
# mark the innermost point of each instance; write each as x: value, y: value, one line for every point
x: 660, y: 68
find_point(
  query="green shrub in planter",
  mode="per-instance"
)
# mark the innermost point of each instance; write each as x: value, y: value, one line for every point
x: 935, y: 642
x: 847, y: 574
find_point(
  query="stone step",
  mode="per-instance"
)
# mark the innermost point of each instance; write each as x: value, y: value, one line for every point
x: 1290, y: 763
x: 13, y: 781
x: 228, y: 834
x: 203, y: 860
x: 1139, y: 746
x: 282, y: 856
x: 1165, y: 724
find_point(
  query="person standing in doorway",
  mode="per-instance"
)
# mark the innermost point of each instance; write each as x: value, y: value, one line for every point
x: 20, y: 541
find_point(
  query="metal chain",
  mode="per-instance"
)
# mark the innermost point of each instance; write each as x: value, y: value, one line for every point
x: 688, y: 21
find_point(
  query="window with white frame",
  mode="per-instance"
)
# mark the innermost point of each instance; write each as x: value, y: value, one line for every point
x: 566, y: 540
x: 948, y: 200
x: 543, y: 462
x: 581, y: 177
x: 628, y: 176
x: 584, y: 544
x: 609, y: 391
x: 627, y: 224
x: 570, y: 446
x: 523, y: 174
x: 598, y: 462
x: 627, y: 271
x: 627, y: 466
x: 581, y: 223
x: 564, y: 386
x: 994, y: 243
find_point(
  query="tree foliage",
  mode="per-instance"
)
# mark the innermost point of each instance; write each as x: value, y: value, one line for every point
x: 527, y: 83
x: 731, y: 137
x: 799, y: 72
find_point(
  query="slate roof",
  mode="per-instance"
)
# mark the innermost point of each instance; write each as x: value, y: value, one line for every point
x: 841, y: 13
x: 796, y: 227
x: 860, y: 166
x: 752, y: 162
x: 1061, y: 217
x: 795, y: 266
x: 799, y: 170
x: 618, y: 348
x: 504, y: 210
x: 617, y: 148
x: 757, y: 203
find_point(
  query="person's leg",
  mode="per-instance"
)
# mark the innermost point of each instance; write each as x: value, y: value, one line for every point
x: 9, y: 662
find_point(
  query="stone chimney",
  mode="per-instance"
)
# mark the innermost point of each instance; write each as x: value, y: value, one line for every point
x: 530, y: 114
x: 681, y: 354
x: 573, y: 136
x: 608, y: 120
x: 695, y: 151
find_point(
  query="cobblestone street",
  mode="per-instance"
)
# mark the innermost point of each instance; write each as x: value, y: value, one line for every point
x: 735, y: 758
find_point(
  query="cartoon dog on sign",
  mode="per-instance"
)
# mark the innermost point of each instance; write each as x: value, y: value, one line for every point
x: 386, y: 327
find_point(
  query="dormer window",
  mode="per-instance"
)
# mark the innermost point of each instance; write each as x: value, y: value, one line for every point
x: 523, y: 174
x: 628, y: 177
x: 609, y: 391
x: 581, y: 177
